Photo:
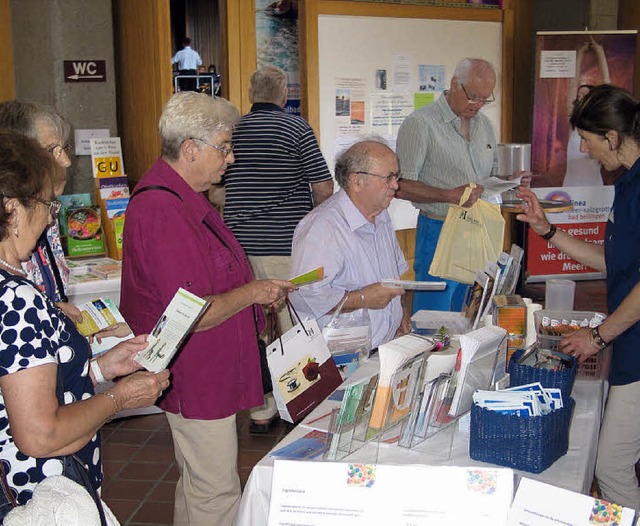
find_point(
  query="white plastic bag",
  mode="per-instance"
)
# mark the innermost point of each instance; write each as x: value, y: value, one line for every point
x: 348, y: 336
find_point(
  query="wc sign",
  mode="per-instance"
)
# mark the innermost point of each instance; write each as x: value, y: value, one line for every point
x: 85, y: 70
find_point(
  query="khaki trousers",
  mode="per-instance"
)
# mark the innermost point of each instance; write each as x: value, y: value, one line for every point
x: 271, y: 267
x: 208, y: 490
x: 619, y: 446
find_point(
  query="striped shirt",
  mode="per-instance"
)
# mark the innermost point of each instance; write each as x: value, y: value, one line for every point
x: 431, y: 149
x: 267, y: 189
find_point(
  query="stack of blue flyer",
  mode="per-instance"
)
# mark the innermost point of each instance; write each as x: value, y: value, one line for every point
x: 522, y: 400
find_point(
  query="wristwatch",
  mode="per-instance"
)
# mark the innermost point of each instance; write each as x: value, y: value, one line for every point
x: 550, y: 234
x: 596, y: 338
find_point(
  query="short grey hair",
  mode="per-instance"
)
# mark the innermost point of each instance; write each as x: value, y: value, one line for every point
x: 269, y: 84
x: 469, y: 69
x: 23, y: 117
x: 356, y: 158
x: 189, y: 115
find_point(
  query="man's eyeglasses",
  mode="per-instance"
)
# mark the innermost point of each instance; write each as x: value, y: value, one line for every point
x: 225, y: 151
x: 57, y: 149
x: 477, y: 100
x: 387, y: 178
x: 54, y: 206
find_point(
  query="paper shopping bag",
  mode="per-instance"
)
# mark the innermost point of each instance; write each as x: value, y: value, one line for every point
x: 469, y: 238
x: 302, y: 370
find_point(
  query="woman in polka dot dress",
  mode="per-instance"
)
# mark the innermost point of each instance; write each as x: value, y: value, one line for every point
x: 37, y: 339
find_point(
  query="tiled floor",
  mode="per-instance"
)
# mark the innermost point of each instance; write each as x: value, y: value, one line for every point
x: 140, y: 470
x: 139, y: 466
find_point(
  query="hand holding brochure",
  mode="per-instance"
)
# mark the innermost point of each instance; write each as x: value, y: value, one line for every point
x: 176, y: 322
x: 97, y: 315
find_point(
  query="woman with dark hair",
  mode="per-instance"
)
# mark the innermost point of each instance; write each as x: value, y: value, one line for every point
x: 48, y: 410
x: 608, y: 121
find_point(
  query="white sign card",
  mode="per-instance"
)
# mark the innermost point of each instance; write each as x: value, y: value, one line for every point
x: 82, y: 139
x: 539, y: 504
x: 336, y: 493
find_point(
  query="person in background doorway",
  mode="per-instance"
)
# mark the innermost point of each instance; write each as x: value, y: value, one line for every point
x: 47, y: 267
x: 188, y: 61
x: 608, y: 122
x: 278, y: 176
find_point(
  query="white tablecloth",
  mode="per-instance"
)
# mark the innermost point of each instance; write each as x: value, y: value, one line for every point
x: 450, y: 447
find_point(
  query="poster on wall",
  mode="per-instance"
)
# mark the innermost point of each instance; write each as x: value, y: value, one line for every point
x: 568, y: 65
x: 277, y: 43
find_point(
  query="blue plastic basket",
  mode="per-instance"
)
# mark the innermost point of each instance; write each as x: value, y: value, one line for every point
x: 526, y: 443
x: 525, y: 374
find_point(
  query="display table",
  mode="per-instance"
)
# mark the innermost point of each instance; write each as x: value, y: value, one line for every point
x: 79, y: 293
x: 574, y: 471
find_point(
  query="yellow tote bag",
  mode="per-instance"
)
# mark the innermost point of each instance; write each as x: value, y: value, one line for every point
x: 470, y: 237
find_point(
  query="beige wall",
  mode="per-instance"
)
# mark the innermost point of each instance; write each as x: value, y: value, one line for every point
x: 46, y: 32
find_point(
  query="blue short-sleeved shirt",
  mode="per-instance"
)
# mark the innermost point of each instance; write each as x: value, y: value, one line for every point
x: 622, y: 256
x: 33, y: 332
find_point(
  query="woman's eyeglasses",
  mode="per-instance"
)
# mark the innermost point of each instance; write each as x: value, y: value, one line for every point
x: 56, y: 150
x: 226, y: 151
x: 54, y: 205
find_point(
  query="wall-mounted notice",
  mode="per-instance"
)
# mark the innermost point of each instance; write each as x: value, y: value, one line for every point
x: 388, y: 110
x: 430, y: 78
x: 402, y: 73
x: 350, y: 106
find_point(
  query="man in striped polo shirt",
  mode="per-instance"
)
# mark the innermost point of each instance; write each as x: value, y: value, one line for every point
x: 279, y: 175
x: 442, y: 148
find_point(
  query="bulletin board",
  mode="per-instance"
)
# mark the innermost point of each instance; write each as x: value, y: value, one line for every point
x: 354, y: 49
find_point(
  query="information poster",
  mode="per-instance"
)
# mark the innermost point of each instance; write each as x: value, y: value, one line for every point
x: 568, y: 65
x: 587, y: 221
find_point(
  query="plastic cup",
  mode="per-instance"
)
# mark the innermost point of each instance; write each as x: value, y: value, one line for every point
x: 559, y: 294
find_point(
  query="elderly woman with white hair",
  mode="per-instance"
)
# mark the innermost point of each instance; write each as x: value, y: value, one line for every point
x: 175, y: 238
x: 47, y: 267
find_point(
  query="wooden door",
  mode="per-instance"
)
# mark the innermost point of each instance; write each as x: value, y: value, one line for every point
x: 143, y: 51
x: 7, y: 82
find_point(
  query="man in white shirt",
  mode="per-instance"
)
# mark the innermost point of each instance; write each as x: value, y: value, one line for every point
x: 188, y: 61
x: 352, y: 237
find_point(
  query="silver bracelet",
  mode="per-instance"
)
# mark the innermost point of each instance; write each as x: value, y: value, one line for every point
x: 97, y: 372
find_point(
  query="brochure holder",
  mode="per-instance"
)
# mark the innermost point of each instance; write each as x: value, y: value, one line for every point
x: 374, y: 413
x: 425, y: 418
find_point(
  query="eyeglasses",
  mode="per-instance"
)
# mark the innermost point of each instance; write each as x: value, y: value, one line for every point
x: 477, y: 100
x: 54, y: 205
x: 57, y: 149
x: 387, y: 178
x: 225, y: 151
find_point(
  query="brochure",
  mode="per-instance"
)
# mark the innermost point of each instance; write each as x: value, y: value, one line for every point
x: 181, y: 314
x: 539, y: 504
x: 401, y: 368
x: 414, y: 285
x: 308, y: 277
x: 311, y: 445
x: 478, y: 355
x: 98, y: 314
